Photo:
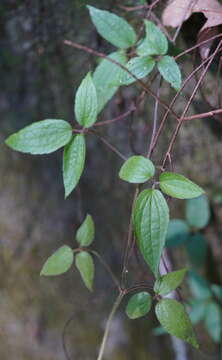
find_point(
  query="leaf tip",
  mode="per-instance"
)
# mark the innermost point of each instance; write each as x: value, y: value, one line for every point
x: 193, y: 341
x: 90, y: 8
x: 89, y: 75
x: 42, y: 272
x: 67, y: 193
x: 195, y: 344
x: 8, y: 141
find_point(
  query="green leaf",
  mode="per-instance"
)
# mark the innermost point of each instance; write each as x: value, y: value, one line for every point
x: 138, y: 66
x: 137, y: 169
x: 198, y: 311
x: 41, y: 137
x: 155, y: 42
x: 86, y: 232
x: 151, y: 219
x: 178, y: 233
x: 159, y: 330
x: 197, y: 249
x: 178, y: 186
x: 199, y: 286
x: 113, y: 28
x: 174, y: 319
x: 105, y: 76
x: 213, y: 321
x: 139, y: 305
x: 169, y: 282
x: 198, y: 212
x: 85, y: 265
x: 73, y: 162
x: 217, y: 291
x: 86, y: 106
x: 59, y: 262
x: 173, y: 50
x: 170, y: 71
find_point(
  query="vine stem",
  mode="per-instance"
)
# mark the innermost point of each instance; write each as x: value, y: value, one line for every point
x: 103, y: 56
x: 106, y: 266
x: 174, y: 100
x: 111, y: 147
x: 108, y: 324
x: 185, y: 52
x: 155, y: 116
x: 204, y: 115
x: 120, y: 117
x: 129, y: 239
x: 134, y: 8
x: 180, y: 123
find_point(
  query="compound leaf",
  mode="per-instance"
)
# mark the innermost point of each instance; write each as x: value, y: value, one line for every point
x: 106, y: 78
x: 139, y: 67
x: 85, y: 265
x: 73, y: 162
x: 137, y: 169
x: 41, y: 137
x: 179, y: 186
x: 86, y: 105
x: 170, y: 71
x: 113, y: 28
x: 139, y: 305
x: 174, y: 319
x: 86, y: 232
x: 59, y: 262
x: 169, y: 282
x: 155, y: 42
x: 151, y: 219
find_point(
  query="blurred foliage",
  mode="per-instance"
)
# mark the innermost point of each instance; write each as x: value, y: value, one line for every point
x: 206, y: 307
x: 38, y: 77
x: 207, y: 301
x: 188, y: 232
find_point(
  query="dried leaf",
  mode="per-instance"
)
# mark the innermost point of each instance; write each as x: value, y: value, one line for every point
x: 178, y: 11
x: 203, y: 36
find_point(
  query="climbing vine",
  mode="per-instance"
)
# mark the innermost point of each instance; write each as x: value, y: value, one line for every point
x: 139, y: 58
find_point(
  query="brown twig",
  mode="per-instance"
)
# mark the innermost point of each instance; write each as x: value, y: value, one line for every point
x: 142, y: 84
x: 106, y: 142
x: 133, y: 8
x: 118, y: 118
x: 174, y: 100
x: 174, y: 136
x: 139, y: 7
x: 106, y: 266
x: 185, y: 52
x: 164, y: 30
x: 203, y: 115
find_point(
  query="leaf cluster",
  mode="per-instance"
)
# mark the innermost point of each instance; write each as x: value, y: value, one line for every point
x: 133, y: 60
x: 62, y: 260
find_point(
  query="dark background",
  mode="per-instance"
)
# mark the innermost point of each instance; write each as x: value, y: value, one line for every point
x: 38, y: 77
